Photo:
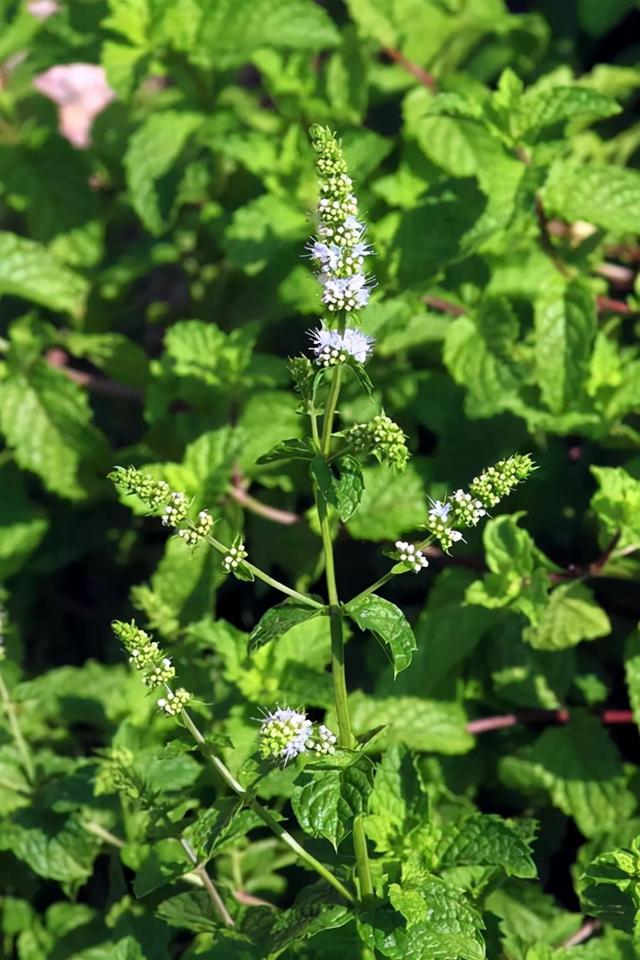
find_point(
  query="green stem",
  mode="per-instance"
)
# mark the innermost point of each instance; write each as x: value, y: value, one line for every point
x: 346, y: 738
x: 271, y: 581
x: 261, y: 811
x: 330, y: 410
x: 14, y: 724
x: 374, y: 586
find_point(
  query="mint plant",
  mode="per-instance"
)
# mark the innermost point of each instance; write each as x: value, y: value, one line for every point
x: 338, y: 775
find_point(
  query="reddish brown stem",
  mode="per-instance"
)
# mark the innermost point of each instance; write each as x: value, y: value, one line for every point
x: 608, y: 304
x: 59, y: 359
x: 445, y: 306
x: 588, y: 928
x: 240, y: 495
x: 488, y: 724
x: 419, y: 73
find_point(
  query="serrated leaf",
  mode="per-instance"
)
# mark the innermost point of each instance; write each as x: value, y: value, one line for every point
x: 327, y: 804
x: 543, y: 108
x: 565, y: 327
x: 420, y: 724
x: 389, y: 626
x: 222, y: 823
x: 607, y: 196
x: 293, y: 449
x: 46, y: 419
x: 279, y: 620
x: 349, y: 487
x: 610, y: 888
x: 391, y: 504
x: 54, y: 846
x: 165, y: 863
x: 29, y: 271
x: 580, y: 768
x: 486, y: 839
x: 571, y: 615
x: 151, y: 152
x: 617, y: 503
x: 201, y: 350
x: 189, y: 911
x: 233, y: 30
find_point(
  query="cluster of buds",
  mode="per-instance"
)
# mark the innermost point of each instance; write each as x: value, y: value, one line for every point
x: 174, y: 702
x: 286, y: 733
x: 497, y: 482
x: 147, y: 656
x: 234, y: 557
x: 464, y: 509
x: 381, y: 437
x: 197, y: 531
x: 331, y: 347
x: 408, y: 553
x: 152, y: 492
x: 156, y: 494
x: 175, y: 511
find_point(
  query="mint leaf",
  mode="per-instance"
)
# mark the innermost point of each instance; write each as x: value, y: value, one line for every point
x: 349, y: 487
x: 570, y: 616
x: 279, y: 620
x: 189, y: 911
x: 420, y: 724
x: 608, y: 196
x: 46, y: 419
x: 391, y: 504
x: 152, y: 151
x: 617, y: 503
x: 29, y: 271
x: 325, y: 480
x: 389, y: 626
x: 610, y: 888
x: 327, y: 804
x: 565, y: 327
x: 288, y: 450
x: 580, y: 768
x: 486, y: 839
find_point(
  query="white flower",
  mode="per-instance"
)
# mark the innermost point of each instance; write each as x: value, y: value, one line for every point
x: 439, y: 510
x: 346, y: 293
x: 330, y: 346
x: 410, y: 554
x: 284, y: 734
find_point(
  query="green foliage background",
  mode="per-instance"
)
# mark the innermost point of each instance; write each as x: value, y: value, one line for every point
x: 152, y: 288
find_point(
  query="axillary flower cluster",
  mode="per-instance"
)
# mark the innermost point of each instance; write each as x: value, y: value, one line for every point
x: 338, y: 252
x: 146, y: 655
x: 466, y: 508
x: 286, y: 733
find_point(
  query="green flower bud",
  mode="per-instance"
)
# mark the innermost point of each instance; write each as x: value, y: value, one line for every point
x: 381, y: 437
x: 152, y: 492
x: 497, y: 482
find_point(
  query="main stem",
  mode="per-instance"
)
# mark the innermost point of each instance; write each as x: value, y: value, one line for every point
x: 346, y: 738
x: 261, y: 811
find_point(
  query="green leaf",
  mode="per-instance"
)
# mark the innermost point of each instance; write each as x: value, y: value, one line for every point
x: 232, y: 30
x: 289, y: 450
x: 397, y: 802
x: 565, y: 327
x: 580, y: 768
x: 486, y: 839
x: 279, y: 620
x: 23, y: 524
x: 389, y: 626
x: 29, y: 271
x: 437, y: 725
x: 617, y: 503
x: 327, y: 804
x: 324, y: 480
x: 349, y: 487
x: 541, y: 108
x: 607, y: 196
x: 610, y: 888
x: 224, y: 822
x: 519, y: 571
x: 391, y: 504
x: 442, y: 924
x: 201, y: 350
x: 261, y: 231
x: 151, y: 152
x: 571, y: 615
x: 632, y: 673
x: 189, y: 911
x: 165, y: 863
x: 52, y: 845
x: 46, y: 419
